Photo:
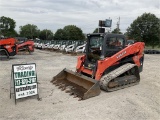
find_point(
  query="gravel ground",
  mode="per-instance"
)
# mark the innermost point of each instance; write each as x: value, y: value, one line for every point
x: 140, y: 102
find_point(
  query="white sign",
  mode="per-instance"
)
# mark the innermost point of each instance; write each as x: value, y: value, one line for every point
x: 25, y: 80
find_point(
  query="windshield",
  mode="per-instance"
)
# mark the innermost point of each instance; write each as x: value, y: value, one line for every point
x: 95, y: 48
x: 96, y: 41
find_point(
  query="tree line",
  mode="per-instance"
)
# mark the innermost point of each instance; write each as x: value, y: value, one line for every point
x: 144, y: 28
x: 30, y: 31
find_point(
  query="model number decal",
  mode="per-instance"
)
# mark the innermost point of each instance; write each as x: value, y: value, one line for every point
x: 120, y: 55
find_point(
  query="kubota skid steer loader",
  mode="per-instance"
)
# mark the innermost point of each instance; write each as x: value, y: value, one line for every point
x: 109, y: 63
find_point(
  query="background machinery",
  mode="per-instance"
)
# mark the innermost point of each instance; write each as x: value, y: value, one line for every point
x: 8, y: 47
x: 24, y: 44
x: 109, y: 63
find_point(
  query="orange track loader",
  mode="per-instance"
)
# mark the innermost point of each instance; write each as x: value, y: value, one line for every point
x: 25, y: 45
x: 8, y: 47
x: 109, y: 64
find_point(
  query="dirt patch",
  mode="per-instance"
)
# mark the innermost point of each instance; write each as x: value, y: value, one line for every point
x: 140, y: 102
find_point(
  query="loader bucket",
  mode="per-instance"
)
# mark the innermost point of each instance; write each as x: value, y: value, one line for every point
x: 76, y: 84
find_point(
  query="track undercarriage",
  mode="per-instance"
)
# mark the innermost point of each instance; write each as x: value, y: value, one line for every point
x: 125, y: 76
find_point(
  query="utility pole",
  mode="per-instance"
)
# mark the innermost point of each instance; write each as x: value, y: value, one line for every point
x: 159, y: 33
x: 46, y: 35
x: 1, y: 28
x: 118, y: 24
x: 31, y: 33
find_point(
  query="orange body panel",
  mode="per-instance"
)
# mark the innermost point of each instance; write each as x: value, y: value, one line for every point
x: 8, y: 43
x: 134, y: 49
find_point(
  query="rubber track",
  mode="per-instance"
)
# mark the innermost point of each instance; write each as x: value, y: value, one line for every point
x: 113, y: 74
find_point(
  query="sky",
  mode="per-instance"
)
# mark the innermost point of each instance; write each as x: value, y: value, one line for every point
x: 85, y: 14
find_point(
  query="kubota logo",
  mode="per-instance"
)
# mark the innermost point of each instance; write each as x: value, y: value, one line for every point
x: 120, y: 55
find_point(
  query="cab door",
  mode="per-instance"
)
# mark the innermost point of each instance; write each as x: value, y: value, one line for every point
x: 113, y: 45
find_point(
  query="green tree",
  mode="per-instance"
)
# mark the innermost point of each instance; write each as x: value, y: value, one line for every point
x: 73, y: 33
x: 30, y: 31
x: 95, y: 31
x: 117, y: 31
x: 145, y: 28
x: 46, y: 34
x: 60, y: 35
x: 7, y: 27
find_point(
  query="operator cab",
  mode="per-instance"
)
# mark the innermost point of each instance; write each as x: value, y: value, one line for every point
x: 21, y: 40
x: 102, y: 45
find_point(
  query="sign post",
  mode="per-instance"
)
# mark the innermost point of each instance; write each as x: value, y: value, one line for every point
x: 24, y: 81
